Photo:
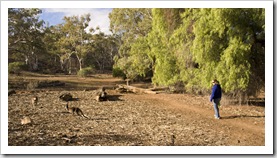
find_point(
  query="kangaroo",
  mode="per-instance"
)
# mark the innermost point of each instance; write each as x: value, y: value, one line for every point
x: 34, y: 100
x: 101, y: 95
x: 74, y: 110
x: 66, y: 97
x: 26, y: 120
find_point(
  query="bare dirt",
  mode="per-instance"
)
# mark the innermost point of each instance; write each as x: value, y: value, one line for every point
x: 126, y: 119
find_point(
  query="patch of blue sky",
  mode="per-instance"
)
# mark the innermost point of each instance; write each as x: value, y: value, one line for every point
x: 99, y: 16
x: 52, y: 18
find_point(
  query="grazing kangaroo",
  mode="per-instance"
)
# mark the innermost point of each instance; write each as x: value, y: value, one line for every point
x: 66, y: 97
x: 101, y: 95
x: 34, y: 101
x: 74, y: 110
x: 26, y: 120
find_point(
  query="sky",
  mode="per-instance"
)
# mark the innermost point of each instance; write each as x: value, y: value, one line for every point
x: 99, y: 16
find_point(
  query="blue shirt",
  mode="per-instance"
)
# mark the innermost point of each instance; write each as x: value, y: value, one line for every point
x: 216, y: 92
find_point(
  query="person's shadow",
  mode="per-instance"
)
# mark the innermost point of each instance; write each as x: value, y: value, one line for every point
x: 241, y: 116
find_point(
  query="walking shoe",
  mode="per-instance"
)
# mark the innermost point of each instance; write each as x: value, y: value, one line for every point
x: 216, y: 117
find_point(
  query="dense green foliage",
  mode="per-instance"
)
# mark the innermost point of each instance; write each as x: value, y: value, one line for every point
x: 117, y: 72
x: 194, y: 46
x: 132, y: 25
x: 227, y: 44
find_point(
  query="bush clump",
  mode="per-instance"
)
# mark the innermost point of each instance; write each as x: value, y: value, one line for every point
x: 84, y: 72
x: 32, y: 85
x: 16, y: 67
x: 117, y: 72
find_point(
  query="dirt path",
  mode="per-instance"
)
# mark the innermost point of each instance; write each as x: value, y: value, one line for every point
x: 242, y: 129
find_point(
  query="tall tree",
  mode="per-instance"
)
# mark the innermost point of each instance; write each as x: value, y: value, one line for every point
x: 223, y: 44
x: 25, y: 35
x: 55, y: 60
x: 132, y: 25
x: 102, y: 51
x: 164, y: 23
x: 227, y: 44
x: 75, y: 39
x: 195, y: 46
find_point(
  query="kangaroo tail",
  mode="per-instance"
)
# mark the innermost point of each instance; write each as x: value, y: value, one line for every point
x: 85, y: 116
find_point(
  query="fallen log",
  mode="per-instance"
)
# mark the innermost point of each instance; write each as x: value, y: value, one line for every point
x: 136, y: 89
x: 159, y: 89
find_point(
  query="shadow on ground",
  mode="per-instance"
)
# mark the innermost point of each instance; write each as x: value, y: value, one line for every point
x: 241, y: 116
x: 114, y: 97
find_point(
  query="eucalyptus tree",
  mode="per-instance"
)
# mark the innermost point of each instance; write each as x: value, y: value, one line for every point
x: 102, y: 50
x: 25, y: 33
x: 227, y: 44
x: 75, y: 38
x: 228, y: 47
x: 132, y: 26
x: 162, y: 54
x: 194, y: 46
x: 54, y: 50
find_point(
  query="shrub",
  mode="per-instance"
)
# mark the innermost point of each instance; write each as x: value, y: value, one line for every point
x: 117, y: 72
x: 16, y: 67
x: 85, y: 72
x: 32, y: 85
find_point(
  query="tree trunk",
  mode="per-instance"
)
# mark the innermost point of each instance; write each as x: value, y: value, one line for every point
x: 69, y: 67
x: 26, y: 59
x: 80, y: 60
x: 80, y: 63
x: 61, y: 64
x: 35, y: 64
